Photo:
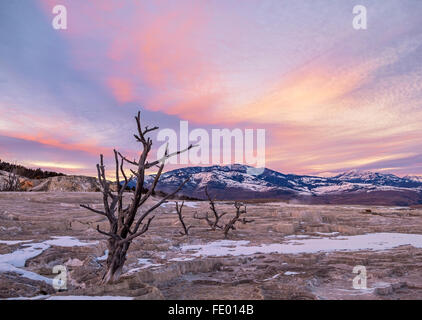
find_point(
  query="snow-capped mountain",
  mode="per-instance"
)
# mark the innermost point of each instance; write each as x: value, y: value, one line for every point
x: 237, y: 182
x: 380, y: 179
x: 414, y: 178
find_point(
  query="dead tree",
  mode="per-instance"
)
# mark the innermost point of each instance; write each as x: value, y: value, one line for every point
x: 206, y: 218
x: 179, y: 213
x: 217, y: 216
x: 124, y: 221
x: 12, y: 182
x: 239, y: 211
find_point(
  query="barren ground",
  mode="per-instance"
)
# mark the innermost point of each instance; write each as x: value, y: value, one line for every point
x: 289, y: 252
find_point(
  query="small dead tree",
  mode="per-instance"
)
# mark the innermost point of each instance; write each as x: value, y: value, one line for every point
x: 206, y: 218
x: 179, y: 213
x: 231, y: 224
x: 12, y: 182
x: 125, y: 223
x: 217, y: 216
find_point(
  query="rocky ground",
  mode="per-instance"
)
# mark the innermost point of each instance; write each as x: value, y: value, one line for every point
x: 54, y: 184
x: 290, y: 251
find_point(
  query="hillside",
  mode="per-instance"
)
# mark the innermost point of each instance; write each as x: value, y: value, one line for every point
x: 26, y: 172
x: 236, y: 183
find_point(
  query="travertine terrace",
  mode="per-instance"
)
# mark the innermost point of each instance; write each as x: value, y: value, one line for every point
x: 290, y: 251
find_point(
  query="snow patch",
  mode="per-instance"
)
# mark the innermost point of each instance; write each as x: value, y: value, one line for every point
x: 14, y: 261
x: 12, y: 242
x: 103, y: 257
x: 145, y: 263
x: 182, y: 259
x: 372, y: 241
x: 190, y: 204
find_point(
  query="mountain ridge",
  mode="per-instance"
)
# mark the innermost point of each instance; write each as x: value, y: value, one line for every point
x: 233, y: 182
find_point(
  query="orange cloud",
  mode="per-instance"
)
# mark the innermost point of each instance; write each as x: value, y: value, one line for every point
x: 57, y: 165
x: 313, y: 150
x: 155, y: 57
x: 90, y: 147
x: 122, y: 89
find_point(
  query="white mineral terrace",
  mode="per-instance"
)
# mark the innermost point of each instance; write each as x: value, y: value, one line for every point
x: 371, y: 241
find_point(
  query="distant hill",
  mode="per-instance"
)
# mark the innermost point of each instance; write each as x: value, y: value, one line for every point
x: 67, y: 184
x: 236, y: 182
x: 240, y: 182
x: 61, y: 183
x: 27, y: 173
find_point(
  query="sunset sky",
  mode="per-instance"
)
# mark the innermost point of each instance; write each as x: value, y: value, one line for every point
x: 330, y: 97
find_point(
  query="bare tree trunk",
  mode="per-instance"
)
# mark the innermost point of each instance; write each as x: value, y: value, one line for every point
x: 115, y: 261
x: 231, y: 224
x: 179, y: 213
x: 217, y: 216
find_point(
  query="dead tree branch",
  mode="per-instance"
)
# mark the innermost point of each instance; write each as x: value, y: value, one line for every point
x: 217, y: 216
x: 179, y: 213
x: 231, y: 224
x: 12, y: 183
x: 209, y: 222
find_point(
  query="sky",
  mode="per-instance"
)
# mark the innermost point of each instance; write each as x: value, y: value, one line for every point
x: 330, y: 98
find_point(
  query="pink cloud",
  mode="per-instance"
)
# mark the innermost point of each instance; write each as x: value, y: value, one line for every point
x: 155, y: 53
x: 122, y: 89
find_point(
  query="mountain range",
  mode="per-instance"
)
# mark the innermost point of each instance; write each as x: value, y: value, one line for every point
x: 237, y: 182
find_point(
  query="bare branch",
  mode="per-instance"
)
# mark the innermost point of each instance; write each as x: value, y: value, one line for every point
x: 231, y: 224
x: 152, y: 188
x: 111, y: 235
x: 167, y: 156
x: 128, y: 161
x: 12, y: 182
x: 93, y: 210
x: 116, y: 157
x: 137, y: 234
x: 147, y: 130
x: 209, y: 222
x: 179, y: 213
x: 217, y: 216
x: 157, y: 205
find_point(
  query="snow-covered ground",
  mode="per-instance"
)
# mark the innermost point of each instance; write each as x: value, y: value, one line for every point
x: 181, y: 259
x: 13, y: 242
x: 349, y: 187
x: 190, y: 204
x: 15, y: 261
x: 103, y: 257
x: 291, y: 273
x: 145, y: 263
x: 372, y: 241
